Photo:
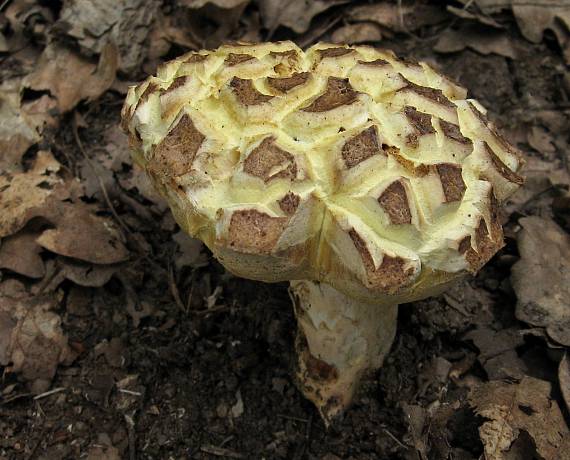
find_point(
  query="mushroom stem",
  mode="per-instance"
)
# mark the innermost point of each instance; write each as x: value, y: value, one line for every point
x: 339, y: 339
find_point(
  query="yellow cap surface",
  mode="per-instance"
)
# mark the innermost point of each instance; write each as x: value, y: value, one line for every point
x: 338, y: 164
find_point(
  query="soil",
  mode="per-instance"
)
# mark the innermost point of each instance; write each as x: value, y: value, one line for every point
x: 184, y: 381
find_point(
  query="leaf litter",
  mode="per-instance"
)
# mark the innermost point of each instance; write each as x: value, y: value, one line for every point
x: 138, y: 330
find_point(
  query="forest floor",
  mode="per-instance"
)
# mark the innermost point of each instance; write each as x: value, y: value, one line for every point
x: 121, y: 337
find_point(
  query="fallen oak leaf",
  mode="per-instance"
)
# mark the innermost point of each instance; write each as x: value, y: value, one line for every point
x: 361, y: 32
x: 512, y: 409
x: 564, y: 378
x: 30, y: 194
x: 541, y: 278
x: 81, y: 234
x: 95, y: 24
x: 482, y: 39
x: 399, y: 18
x: 33, y: 343
x: 21, y: 254
x: 71, y: 78
x: 294, y: 14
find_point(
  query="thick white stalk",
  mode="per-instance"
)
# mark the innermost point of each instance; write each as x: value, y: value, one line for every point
x: 338, y: 341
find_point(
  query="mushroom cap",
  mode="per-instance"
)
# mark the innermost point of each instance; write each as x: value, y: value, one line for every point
x: 340, y: 164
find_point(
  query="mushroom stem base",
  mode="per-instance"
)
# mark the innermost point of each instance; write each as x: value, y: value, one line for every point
x: 339, y: 340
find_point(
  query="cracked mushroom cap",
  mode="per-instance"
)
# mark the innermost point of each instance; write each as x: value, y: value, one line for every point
x: 339, y: 164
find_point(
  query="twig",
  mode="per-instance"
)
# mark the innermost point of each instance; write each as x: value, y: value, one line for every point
x: 49, y: 393
x: 217, y: 309
x: 396, y: 440
x: 220, y: 452
x: 4, y: 3
x: 174, y: 289
x: 131, y: 435
x: 297, y: 419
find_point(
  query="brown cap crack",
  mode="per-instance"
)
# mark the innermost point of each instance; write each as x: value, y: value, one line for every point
x: 334, y: 52
x: 268, y: 161
x: 394, y: 200
x: 375, y: 63
x: 451, y: 181
x: 174, y: 155
x: 452, y: 131
x: 246, y: 92
x: 502, y: 168
x: 390, y: 276
x: 361, y: 147
x: 177, y: 83
x: 289, y: 203
x: 338, y: 92
x: 256, y: 232
x: 235, y: 59
x: 420, y: 123
x: 286, y: 84
x: 435, y: 95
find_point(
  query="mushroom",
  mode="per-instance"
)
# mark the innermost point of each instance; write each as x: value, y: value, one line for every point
x: 363, y: 179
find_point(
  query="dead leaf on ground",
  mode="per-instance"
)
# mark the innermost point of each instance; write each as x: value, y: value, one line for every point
x: 189, y: 252
x: 83, y: 235
x: 21, y: 254
x: 33, y: 342
x: 30, y: 194
x: 17, y: 131
x: 541, y: 278
x: 564, y: 379
x: 95, y: 24
x: 71, y: 78
x: 103, y: 449
x: 513, y: 409
x: 295, y: 14
x: 405, y: 18
x: 464, y: 13
x: 497, y: 352
x: 361, y: 32
x: 533, y: 18
x: 479, y: 38
x: 81, y: 273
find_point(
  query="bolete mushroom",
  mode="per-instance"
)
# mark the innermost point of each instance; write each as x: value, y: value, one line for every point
x: 363, y: 179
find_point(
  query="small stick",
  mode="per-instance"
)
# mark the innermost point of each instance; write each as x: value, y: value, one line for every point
x: 49, y: 393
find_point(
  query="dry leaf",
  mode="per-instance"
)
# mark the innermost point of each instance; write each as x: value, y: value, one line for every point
x: 71, y: 78
x: 226, y: 4
x: 540, y: 140
x: 17, y: 131
x: 189, y: 252
x: 357, y: 33
x: 96, y: 23
x: 533, y: 18
x: 295, y: 14
x: 512, y: 409
x: 403, y: 18
x: 21, y: 254
x: 564, y: 379
x: 83, y: 235
x: 30, y: 194
x: 32, y: 341
x: 479, y: 38
x: 497, y: 352
x: 541, y: 278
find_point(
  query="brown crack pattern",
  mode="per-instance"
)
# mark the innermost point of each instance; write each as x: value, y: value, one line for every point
x: 420, y: 123
x: 252, y: 231
x: 174, y: 155
x: 268, y: 161
x: 338, y: 92
x: 286, y: 84
x: 394, y: 201
x: 390, y: 276
x: 451, y: 181
x: 361, y: 147
x: 289, y: 203
x: 246, y: 92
